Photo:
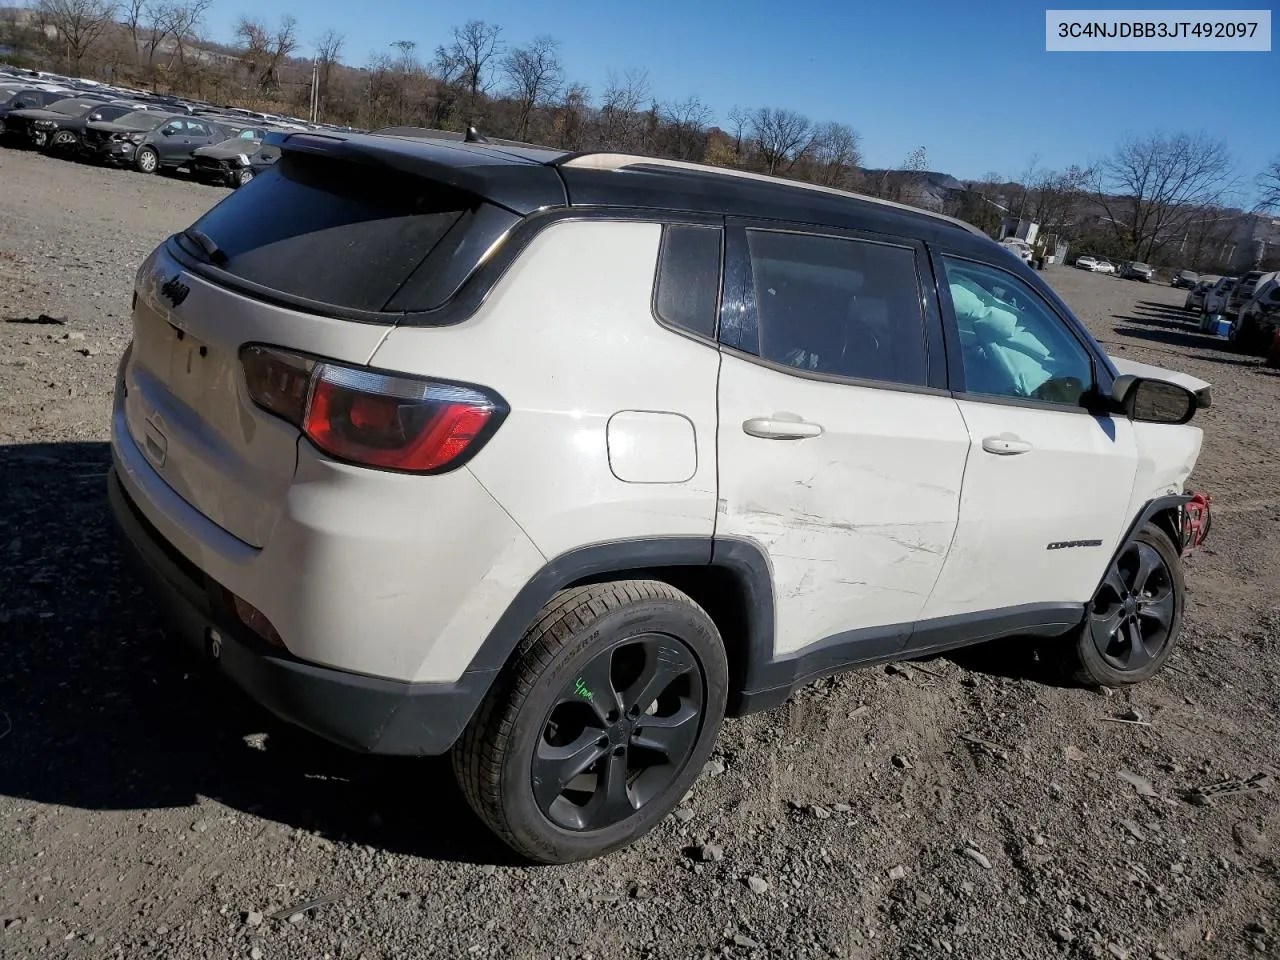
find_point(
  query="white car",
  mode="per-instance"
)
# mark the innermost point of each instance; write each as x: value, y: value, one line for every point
x: 1215, y: 300
x: 1104, y: 266
x: 552, y: 460
x: 1018, y: 247
x: 1087, y: 263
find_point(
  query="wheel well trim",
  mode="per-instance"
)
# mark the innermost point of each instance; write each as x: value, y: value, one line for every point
x: 631, y: 559
x: 1170, y: 503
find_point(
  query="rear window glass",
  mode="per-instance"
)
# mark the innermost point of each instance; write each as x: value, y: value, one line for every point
x: 142, y: 120
x: 73, y: 108
x: 688, y: 286
x: 333, y: 232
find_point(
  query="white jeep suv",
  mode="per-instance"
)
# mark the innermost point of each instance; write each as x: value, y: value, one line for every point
x: 551, y: 460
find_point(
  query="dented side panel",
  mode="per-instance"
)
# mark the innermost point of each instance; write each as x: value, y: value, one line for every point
x: 856, y: 521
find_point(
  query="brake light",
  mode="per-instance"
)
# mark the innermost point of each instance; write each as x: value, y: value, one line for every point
x: 369, y: 417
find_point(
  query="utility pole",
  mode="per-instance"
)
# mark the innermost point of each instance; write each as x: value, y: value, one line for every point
x: 315, y: 90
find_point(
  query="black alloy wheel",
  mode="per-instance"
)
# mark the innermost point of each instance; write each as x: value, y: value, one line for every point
x: 1132, y: 615
x: 599, y: 725
x: 619, y: 733
x: 1134, y: 620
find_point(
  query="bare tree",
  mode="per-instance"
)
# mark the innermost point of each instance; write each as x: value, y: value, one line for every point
x: 264, y: 50
x: 835, y: 155
x: 79, y: 24
x: 468, y: 59
x: 1151, y: 186
x: 1027, y: 181
x: 534, y: 74
x: 917, y: 161
x: 1054, y: 197
x: 133, y: 12
x: 569, y: 121
x: 158, y: 20
x: 1269, y: 187
x: 408, y: 62
x: 328, y: 50
x: 620, y: 108
x: 739, y: 122
x: 184, y: 17
x: 781, y: 137
x: 686, y: 127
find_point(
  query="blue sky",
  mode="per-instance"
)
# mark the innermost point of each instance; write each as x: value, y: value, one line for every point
x: 971, y: 82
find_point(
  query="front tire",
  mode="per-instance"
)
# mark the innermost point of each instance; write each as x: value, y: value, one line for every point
x: 1135, y: 618
x: 146, y: 160
x: 240, y: 178
x: 63, y: 140
x: 601, y: 723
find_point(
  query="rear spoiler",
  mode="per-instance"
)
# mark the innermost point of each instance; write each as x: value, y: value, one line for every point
x: 518, y: 185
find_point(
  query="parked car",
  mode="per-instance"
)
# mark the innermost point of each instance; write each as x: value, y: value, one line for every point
x: 236, y: 161
x: 1086, y: 263
x: 1197, y: 294
x: 1105, y: 266
x: 409, y: 506
x: 1184, y: 278
x: 1255, y: 329
x: 1215, y: 301
x: 27, y: 98
x: 1136, y: 270
x: 148, y: 141
x: 1018, y: 247
x: 60, y: 125
x: 1241, y: 293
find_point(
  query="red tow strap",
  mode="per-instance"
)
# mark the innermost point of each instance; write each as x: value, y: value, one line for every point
x: 1195, y: 521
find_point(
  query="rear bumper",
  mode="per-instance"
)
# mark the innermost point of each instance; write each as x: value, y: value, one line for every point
x: 368, y: 714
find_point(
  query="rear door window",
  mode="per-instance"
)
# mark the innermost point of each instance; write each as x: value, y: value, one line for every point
x: 838, y: 307
x: 332, y: 232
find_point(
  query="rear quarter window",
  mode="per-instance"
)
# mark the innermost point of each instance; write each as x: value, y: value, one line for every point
x: 333, y: 232
x: 687, y: 288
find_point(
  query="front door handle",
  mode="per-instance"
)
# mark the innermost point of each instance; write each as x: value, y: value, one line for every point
x: 780, y: 428
x: 1005, y: 445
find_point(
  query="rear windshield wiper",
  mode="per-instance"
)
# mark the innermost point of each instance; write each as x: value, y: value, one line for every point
x: 205, y: 243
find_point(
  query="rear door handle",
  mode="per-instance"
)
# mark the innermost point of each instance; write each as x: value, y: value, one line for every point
x: 1005, y: 445
x: 780, y: 428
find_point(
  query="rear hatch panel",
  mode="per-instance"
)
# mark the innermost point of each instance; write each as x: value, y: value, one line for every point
x: 323, y: 253
x: 186, y: 406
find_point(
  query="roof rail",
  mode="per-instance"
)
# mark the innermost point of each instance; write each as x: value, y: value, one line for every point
x: 432, y: 133
x: 625, y: 161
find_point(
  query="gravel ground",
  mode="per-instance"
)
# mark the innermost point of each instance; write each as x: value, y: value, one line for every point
x: 965, y: 807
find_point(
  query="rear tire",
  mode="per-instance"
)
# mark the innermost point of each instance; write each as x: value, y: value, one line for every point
x: 1134, y: 619
x: 563, y: 760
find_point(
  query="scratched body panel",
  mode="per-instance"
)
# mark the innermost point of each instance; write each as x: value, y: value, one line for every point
x: 857, y: 521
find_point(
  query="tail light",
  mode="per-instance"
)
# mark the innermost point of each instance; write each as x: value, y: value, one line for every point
x: 373, y: 418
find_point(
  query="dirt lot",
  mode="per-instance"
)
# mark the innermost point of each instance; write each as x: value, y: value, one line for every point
x: 146, y: 812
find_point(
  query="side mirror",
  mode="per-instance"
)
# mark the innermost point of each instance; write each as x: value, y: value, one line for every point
x: 1157, y: 401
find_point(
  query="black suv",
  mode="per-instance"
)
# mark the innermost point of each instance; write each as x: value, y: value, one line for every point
x: 149, y: 141
x: 60, y: 125
x: 27, y: 99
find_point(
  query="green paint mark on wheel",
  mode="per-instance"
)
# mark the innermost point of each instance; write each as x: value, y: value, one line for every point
x: 583, y: 690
